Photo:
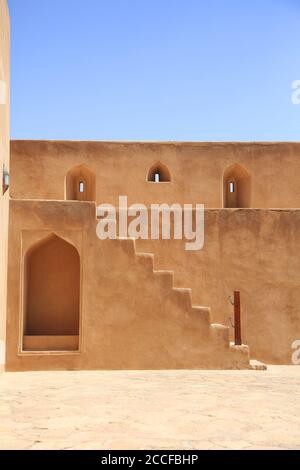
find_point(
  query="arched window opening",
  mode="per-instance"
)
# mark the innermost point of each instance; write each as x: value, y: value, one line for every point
x: 51, y: 296
x: 82, y: 187
x: 236, y: 187
x: 159, y: 173
x: 80, y: 184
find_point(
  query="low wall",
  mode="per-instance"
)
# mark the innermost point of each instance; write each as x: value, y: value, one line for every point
x: 197, y: 170
x: 130, y: 316
x: 256, y: 252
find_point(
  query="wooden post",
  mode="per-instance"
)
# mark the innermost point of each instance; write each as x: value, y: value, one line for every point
x: 237, y: 319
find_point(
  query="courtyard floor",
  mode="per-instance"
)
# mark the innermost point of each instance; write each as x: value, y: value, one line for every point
x: 151, y: 410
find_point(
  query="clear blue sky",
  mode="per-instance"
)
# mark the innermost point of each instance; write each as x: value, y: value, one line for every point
x: 155, y: 69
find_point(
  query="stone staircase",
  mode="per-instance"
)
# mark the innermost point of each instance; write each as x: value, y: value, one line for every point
x: 215, y: 336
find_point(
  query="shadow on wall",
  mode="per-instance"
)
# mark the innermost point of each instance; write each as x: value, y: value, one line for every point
x: 236, y: 187
x: 51, y: 294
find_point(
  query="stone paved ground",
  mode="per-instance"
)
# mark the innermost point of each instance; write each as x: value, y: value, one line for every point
x: 151, y: 410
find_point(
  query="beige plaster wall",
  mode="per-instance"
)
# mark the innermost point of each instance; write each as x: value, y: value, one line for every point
x: 4, y: 160
x: 256, y: 252
x: 39, y: 170
x: 130, y: 316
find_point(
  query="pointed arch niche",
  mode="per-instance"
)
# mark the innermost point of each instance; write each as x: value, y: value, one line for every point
x: 159, y: 173
x: 80, y: 184
x: 51, y: 296
x: 236, y: 187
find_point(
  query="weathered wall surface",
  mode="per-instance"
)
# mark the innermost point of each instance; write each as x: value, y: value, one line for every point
x: 256, y: 252
x: 4, y: 162
x: 131, y: 316
x: 39, y: 170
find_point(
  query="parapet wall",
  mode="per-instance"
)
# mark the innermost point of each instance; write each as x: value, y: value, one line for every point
x: 197, y: 170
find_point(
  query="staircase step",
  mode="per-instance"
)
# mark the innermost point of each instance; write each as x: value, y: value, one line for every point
x: 183, y: 296
x: 202, y: 312
x: 127, y: 244
x: 220, y: 332
x: 166, y: 278
x: 146, y: 260
x: 243, y: 348
x: 257, y: 365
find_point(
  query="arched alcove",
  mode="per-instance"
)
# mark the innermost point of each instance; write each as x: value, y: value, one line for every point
x: 236, y: 187
x: 159, y: 173
x: 51, y: 295
x: 80, y: 184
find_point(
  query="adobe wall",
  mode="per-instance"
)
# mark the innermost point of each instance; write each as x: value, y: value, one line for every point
x: 131, y: 317
x: 256, y: 252
x: 4, y: 160
x: 39, y: 170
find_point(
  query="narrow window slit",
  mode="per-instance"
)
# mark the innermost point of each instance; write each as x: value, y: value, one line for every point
x: 159, y: 173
